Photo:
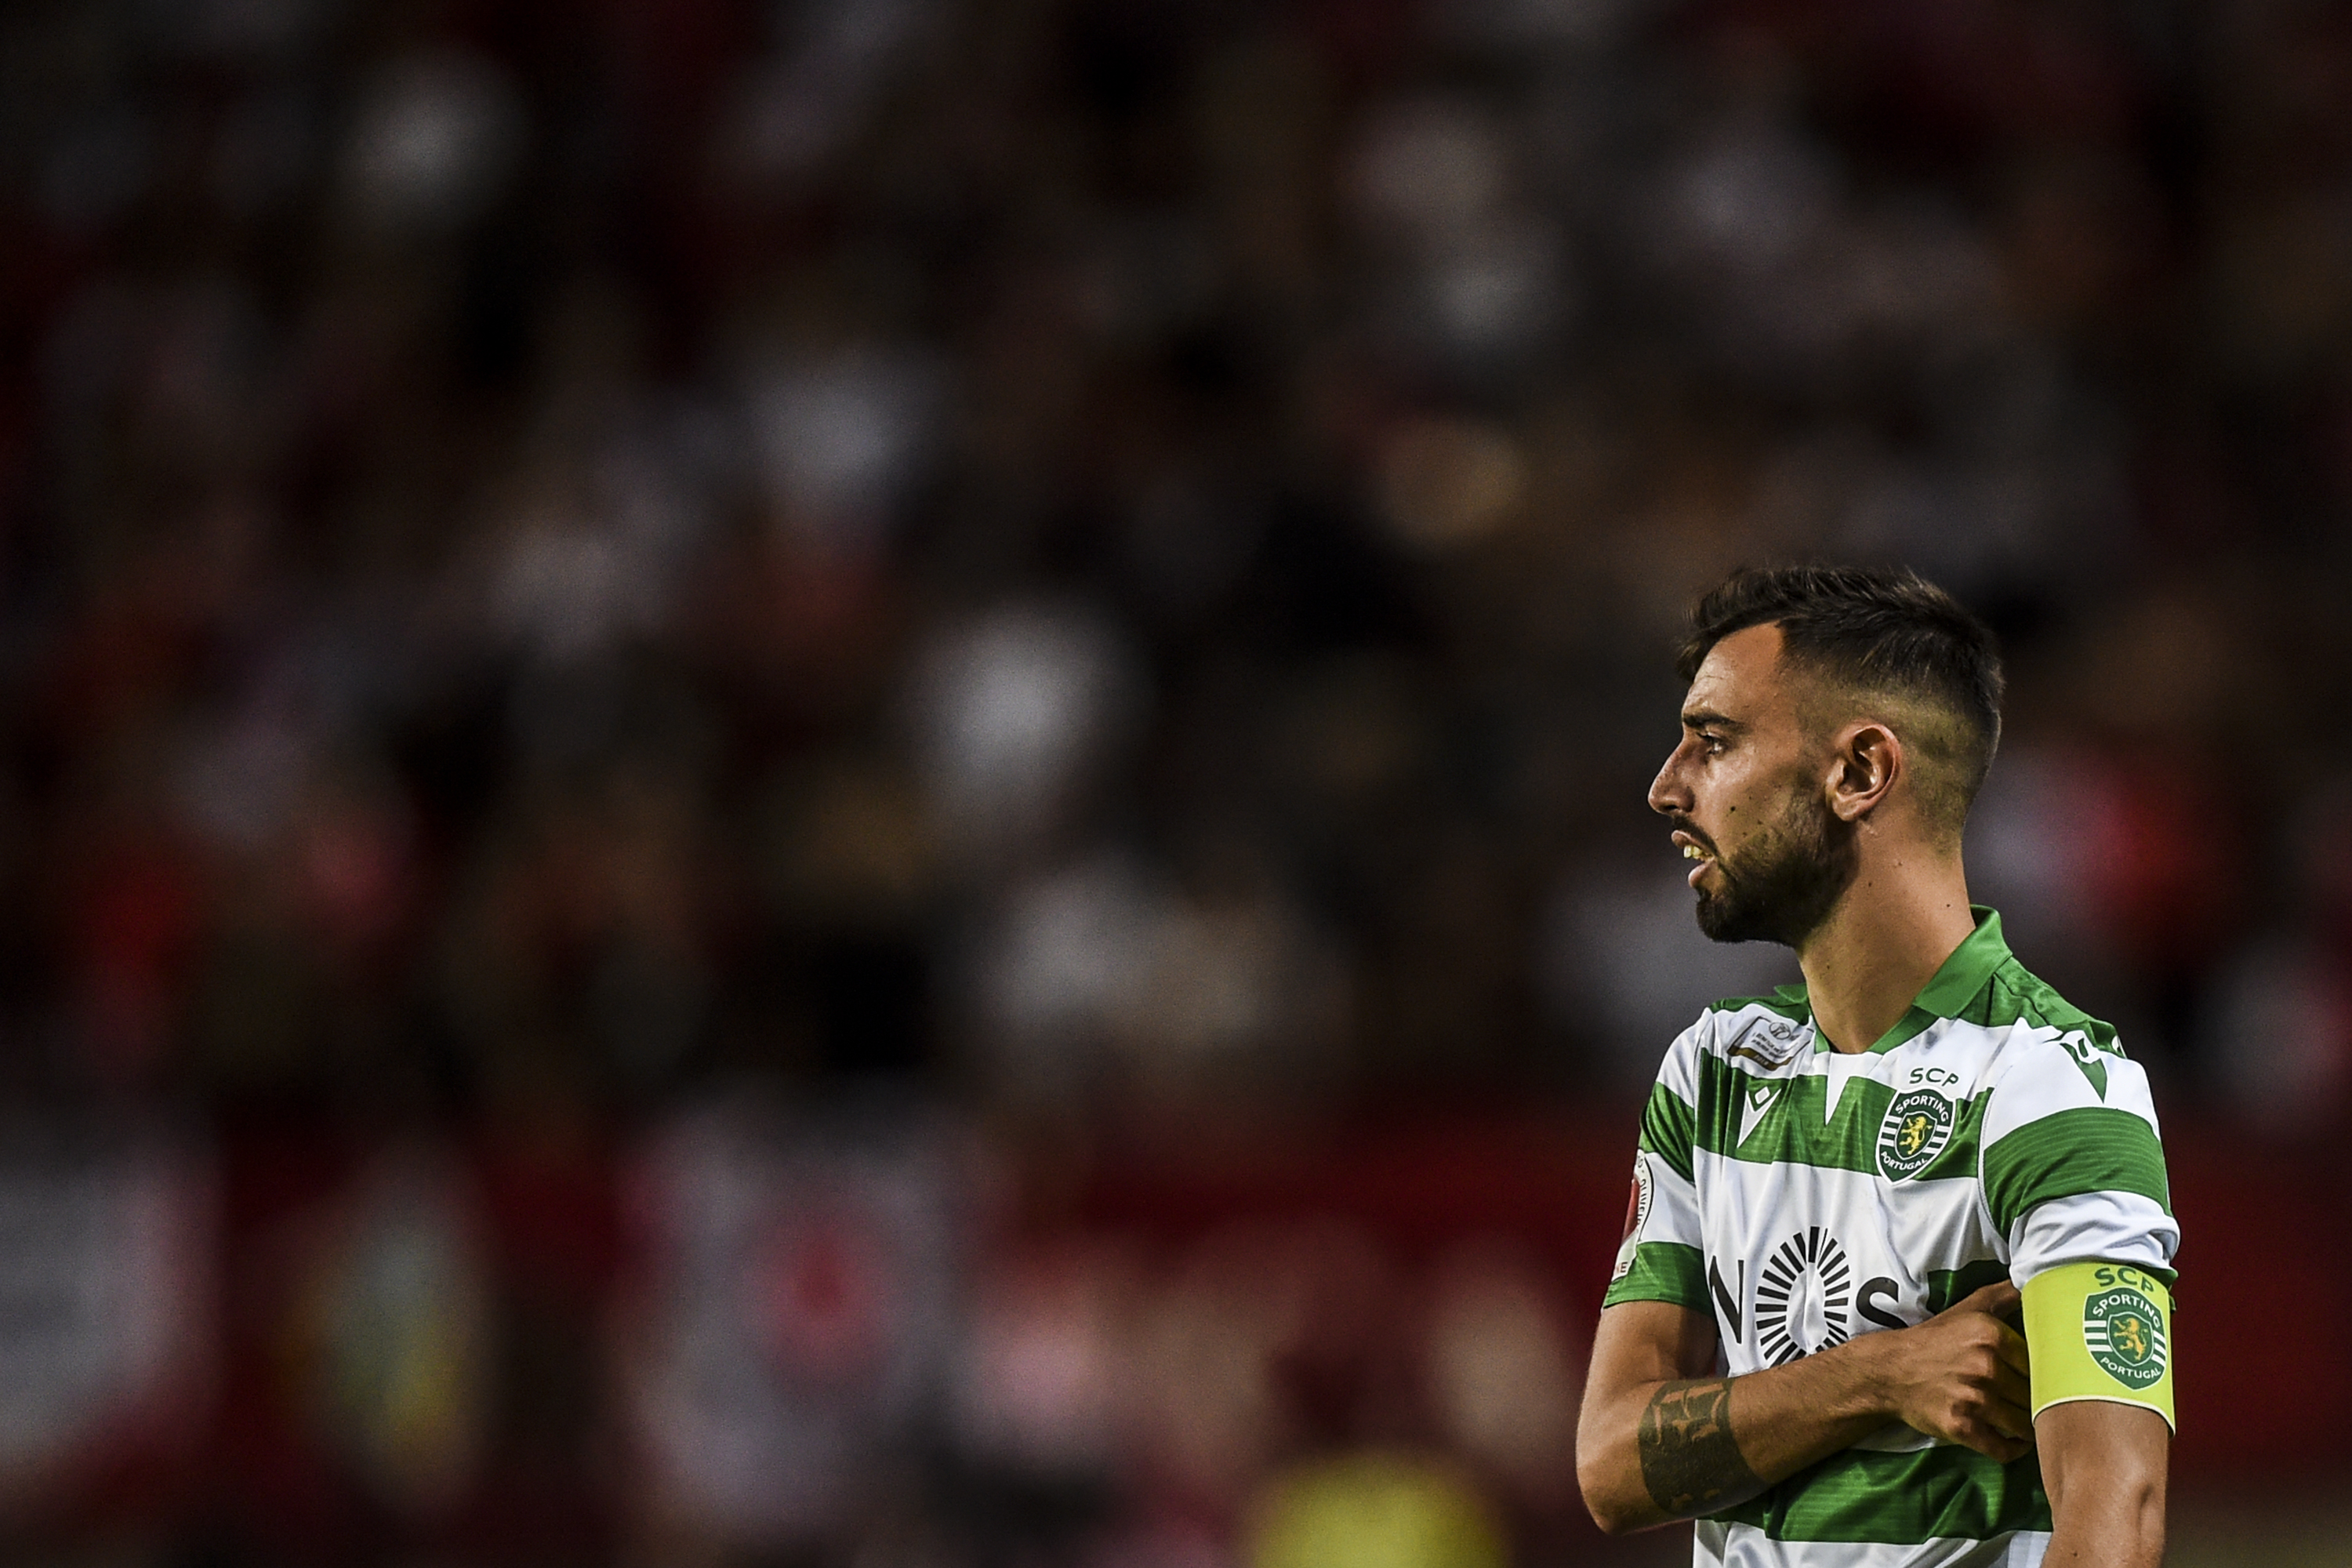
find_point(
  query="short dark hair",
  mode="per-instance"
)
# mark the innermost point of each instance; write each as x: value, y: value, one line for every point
x: 1882, y: 631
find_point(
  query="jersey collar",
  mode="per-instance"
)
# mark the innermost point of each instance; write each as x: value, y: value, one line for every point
x: 1954, y: 985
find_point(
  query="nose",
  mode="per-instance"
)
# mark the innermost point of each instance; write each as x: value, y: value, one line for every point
x: 1669, y: 794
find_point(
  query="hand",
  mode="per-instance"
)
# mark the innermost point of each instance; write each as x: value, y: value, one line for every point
x: 1960, y: 1376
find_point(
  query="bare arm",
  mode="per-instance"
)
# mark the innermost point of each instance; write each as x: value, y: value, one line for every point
x: 2104, y: 1465
x: 1658, y: 1440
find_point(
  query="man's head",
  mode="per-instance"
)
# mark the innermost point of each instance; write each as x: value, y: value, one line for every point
x: 1824, y: 702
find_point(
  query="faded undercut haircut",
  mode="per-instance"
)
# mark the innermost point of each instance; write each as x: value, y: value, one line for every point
x: 1887, y: 634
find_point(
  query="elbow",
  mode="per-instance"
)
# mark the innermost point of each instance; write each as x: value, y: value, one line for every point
x: 1611, y: 1520
x: 1610, y: 1509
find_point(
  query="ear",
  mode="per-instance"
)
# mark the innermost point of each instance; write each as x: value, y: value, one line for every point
x: 1865, y: 759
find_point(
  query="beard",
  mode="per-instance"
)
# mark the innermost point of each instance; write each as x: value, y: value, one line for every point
x: 1786, y: 880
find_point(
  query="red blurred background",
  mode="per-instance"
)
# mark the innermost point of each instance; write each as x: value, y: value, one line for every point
x: 861, y: 780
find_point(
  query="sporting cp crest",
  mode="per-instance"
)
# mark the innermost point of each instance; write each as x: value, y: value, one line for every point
x: 1917, y: 1128
x: 2125, y: 1334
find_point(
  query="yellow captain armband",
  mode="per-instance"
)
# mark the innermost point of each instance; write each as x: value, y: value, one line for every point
x: 2100, y: 1331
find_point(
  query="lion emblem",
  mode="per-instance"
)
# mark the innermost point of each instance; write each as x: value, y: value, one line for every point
x: 1913, y: 1136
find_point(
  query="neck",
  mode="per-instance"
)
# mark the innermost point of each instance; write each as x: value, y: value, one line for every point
x: 1904, y: 913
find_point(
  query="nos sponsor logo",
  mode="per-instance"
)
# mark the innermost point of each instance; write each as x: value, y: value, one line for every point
x: 1803, y: 1294
x: 1801, y: 1297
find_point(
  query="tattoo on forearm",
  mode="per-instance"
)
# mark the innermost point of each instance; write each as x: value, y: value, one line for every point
x: 1690, y: 1461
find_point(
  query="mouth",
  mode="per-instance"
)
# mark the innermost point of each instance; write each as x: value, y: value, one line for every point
x: 1693, y: 848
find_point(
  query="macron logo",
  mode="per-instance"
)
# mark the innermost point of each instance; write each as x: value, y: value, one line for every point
x: 2087, y: 1057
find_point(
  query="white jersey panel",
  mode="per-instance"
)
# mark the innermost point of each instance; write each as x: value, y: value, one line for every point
x: 1719, y: 1546
x: 2044, y: 1072
x: 2101, y: 1228
x: 1800, y: 1258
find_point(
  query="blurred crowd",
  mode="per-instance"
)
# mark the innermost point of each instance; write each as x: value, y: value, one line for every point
x: 1097, y: 576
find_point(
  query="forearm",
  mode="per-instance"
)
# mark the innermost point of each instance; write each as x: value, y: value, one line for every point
x: 1654, y: 1444
x: 1677, y: 1448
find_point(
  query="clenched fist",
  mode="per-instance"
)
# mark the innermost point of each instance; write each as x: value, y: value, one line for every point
x: 1960, y: 1376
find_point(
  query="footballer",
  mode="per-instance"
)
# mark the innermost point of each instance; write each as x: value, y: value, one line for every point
x: 1896, y: 1287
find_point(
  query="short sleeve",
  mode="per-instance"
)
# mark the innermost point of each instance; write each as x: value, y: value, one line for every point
x: 1659, y: 1258
x: 2073, y: 1163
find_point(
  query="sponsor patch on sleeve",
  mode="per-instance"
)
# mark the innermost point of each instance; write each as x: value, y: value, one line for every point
x: 1637, y: 1215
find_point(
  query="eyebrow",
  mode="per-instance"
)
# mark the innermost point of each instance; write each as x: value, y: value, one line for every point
x: 1708, y: 719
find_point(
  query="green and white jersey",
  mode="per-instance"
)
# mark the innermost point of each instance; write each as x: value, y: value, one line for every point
x: 1803, y: 1196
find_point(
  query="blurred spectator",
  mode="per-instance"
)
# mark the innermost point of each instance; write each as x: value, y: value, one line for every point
x: 1102, y: 569
x: 790, y: 1322
x: 109, y: 1308
x: 1380, y: 1512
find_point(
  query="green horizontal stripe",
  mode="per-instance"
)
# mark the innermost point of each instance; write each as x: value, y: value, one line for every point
x: 1902, y: 1499
x: 1946, y: 1286
x: 1797, y: 1130
x: 1663, y: 1271
x: 2088, y: 1150
x: 1666, y: 1124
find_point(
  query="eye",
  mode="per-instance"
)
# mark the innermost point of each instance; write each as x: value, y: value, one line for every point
x: 1711, y: 743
